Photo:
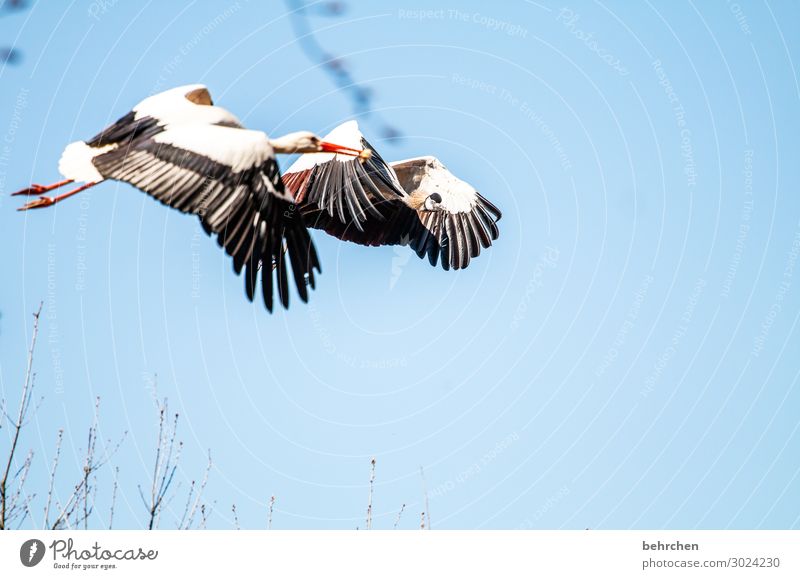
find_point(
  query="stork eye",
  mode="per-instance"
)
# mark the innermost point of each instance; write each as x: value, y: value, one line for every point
x: 436, y: 198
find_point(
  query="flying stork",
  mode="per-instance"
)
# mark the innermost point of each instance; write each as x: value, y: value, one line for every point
x: 189, y: 154
x: 415, y: 202
x: 193, y: 156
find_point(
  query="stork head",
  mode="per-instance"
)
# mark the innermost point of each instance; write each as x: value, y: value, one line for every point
x: 432, y: 202
x: 432, y: 187
x: 308, y: 142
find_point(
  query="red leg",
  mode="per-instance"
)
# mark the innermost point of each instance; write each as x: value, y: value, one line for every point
x: 39, y: 189
x: 48, y: 201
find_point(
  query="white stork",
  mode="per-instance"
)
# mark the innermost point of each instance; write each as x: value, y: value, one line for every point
x: 415, y: 202
x: 198, y: 158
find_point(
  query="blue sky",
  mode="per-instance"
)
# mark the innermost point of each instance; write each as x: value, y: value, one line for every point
x: 624, y: 357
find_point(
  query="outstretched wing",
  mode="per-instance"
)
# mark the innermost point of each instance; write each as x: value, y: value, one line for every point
x: 336, y: 189
x: 456, y: 236
x: 454, y: 221
x: 126, y: 129
x: 230, y: 179
x: 183, y: 104
x: 437, y: 214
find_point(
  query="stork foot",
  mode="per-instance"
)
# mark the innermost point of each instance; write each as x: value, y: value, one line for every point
x: 40, y: 189
x: 38, y: 203
x: 32, y: 190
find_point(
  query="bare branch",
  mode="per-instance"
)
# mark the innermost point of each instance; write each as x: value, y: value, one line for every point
x: 360, y: 96
x: 25, y: 515
x: 59, y: 441
x: 27, y: 390
x: 10, y: 5
x: 113, y: 499
x: 204, y: 513
x: 7, y: 54
x: 235, y: 517
x: 190, y: 494
x: 69, y: 508
x: 399, y: 514
x: 88, y: 465
x: 371, y: 489
x: 198, y: 496
x: 21, y: 476
x: 166, y: 464
x: 425, y: 495
x: 80, y: 504
x: 271, y: 507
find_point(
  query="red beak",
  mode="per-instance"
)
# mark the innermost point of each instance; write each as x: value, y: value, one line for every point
x: 362, y: 154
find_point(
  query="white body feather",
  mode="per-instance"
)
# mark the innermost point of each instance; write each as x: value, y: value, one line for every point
x: 426, y: 175
x: 76, y: 161
x: 239, y: 149
x: 172, y: 109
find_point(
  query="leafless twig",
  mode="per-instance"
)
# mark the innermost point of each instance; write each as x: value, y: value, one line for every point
x: 399, y: 514
x: 9, y: 5
x: 21, y: 510
x: 80, y: 504
x: 190, y: 510
x: 50, y: 488
x: 88, y: 465
x: 7, y: 54
x: 8, y: 508
x: 113, y: 498
x: 336, y: 67
x: 235, y: 517
x: 271, y: 507
x: 371, y: 489
x: 203, y: 516
x: 167, y: 457
x: 425, y: 495
x: 69, y: 508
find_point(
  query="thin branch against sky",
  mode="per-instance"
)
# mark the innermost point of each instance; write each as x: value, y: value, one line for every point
x: 10, y: 54
x: 337, y: 68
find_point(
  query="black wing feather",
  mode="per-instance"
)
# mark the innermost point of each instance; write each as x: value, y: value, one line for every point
x: 246, y: 210
x: 350, y: 191
x: 125, y: 130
